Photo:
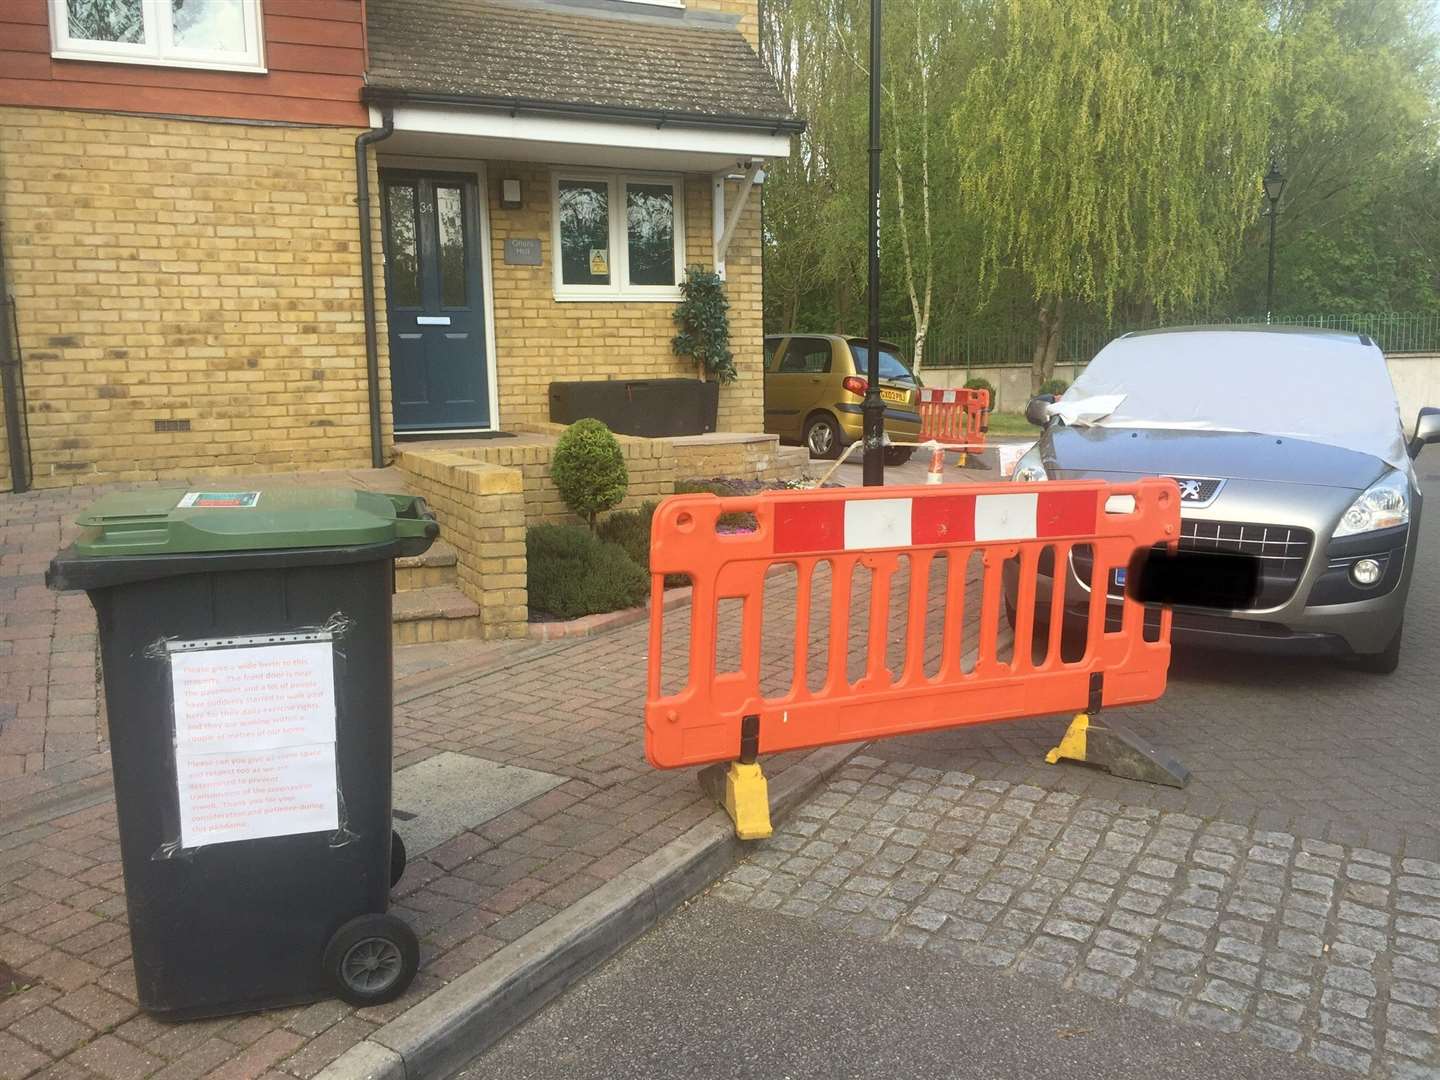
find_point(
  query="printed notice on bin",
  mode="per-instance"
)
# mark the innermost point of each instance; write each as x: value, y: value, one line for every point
x: 254, y: 741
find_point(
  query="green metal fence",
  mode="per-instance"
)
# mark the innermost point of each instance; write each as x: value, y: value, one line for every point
x: 1011, y: 343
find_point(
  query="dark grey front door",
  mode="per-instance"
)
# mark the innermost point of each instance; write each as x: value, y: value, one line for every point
x: 435, y: 301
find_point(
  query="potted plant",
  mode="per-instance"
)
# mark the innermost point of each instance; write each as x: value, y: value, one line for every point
x: 704, y: 335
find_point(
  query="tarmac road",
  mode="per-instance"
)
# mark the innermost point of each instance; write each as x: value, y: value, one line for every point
x: 718, y: 990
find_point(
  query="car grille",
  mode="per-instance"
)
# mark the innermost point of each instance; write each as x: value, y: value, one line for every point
x: 1282, y: 551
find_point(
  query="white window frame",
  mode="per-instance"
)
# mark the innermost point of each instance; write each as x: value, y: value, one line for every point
x: 619, y: 287
x: 658, y: 3
x: 158, y: 48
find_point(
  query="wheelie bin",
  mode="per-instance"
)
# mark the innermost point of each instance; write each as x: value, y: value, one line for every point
x: 245, y: 640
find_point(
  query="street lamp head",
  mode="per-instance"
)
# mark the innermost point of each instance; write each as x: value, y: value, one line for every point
x: 1274, y: 183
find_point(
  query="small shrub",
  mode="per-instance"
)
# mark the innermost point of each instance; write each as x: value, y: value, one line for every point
x: 725, y: 489
x: 1054, y: 386
x: 572, y: 572
x: 589, y: 469
x: 630, y: 529
x: 718, y: 486
x: 978, y: 383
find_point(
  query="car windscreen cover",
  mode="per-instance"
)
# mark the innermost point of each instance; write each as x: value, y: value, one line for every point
x: 1324, y: 388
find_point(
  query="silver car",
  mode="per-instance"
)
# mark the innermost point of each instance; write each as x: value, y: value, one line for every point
x: 1287, y: 446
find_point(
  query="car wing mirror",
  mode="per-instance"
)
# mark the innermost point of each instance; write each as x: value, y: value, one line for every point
x: 1038, y: 411
x: 1427, y: 430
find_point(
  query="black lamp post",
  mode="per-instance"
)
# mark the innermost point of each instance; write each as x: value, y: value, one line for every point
x: 1274, y: 184
x: 874, y: 407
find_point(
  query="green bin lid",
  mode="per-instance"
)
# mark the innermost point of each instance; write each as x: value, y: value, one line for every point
x: 173, y: 521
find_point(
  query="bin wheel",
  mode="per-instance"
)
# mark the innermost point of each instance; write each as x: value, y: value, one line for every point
x: 397, y: 858
x: 371, y: 959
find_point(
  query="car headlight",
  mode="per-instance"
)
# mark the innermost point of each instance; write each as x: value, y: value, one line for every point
x: 1029, y: 467
x: 1385, y: 504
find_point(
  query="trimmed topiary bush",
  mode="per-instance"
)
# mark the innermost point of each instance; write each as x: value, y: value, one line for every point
x: 572, y: 572
x: 589, y: 469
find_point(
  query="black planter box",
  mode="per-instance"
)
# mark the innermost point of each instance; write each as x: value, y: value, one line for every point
x: 650, y: 407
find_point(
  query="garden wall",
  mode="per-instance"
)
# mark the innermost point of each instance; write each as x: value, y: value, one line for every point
x: 486, y: 493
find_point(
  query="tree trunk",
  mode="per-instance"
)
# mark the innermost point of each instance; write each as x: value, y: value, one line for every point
x: 1047, y: 343
x: 1052, y: 350
x: 1037, y: 353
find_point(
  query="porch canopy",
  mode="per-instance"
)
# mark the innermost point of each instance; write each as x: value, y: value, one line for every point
x: 604, y: 83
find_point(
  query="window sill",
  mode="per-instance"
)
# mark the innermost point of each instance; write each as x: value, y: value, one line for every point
x: 152, y: 61
x: 670, y: 297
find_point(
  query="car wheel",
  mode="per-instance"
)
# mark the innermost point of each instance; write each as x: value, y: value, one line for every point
x: 822, y: 437
x: 898, y: 455
x: 1385, y: 661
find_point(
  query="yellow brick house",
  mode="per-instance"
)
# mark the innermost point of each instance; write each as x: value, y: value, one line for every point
x: 284, y: 234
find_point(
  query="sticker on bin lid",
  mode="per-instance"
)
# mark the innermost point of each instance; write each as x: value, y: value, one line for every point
x: 211, y: 500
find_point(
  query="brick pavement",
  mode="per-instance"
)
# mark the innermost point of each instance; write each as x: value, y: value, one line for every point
x: 48, y: 677
x: 1314, y: 948
x: 572, y: 708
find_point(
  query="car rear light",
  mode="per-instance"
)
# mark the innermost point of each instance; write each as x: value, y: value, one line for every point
x: 855, y: 384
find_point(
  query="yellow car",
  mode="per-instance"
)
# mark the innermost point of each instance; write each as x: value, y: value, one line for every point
x: 815, y: 385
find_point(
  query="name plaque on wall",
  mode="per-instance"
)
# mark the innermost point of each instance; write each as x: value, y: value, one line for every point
x: 522, y: 252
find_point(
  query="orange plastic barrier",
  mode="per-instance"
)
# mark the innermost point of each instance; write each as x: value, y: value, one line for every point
x: 1022, y: 530
x: 955, y: 417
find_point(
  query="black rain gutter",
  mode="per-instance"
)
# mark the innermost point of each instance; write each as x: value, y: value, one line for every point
x: 367, y: 275
x: 10, y: 383
x: 385, y: 97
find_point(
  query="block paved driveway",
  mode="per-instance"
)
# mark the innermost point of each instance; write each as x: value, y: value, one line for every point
x: 1290, y: 895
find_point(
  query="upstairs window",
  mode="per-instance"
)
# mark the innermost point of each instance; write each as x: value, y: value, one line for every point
x: 619, y: 237
x: 221, y: 34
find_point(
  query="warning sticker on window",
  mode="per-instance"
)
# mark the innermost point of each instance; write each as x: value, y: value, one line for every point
x: 208, y: 500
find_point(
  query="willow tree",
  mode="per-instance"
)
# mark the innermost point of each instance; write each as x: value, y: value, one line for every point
x: 1354, y: 122
x: 817, y: 200
x: 1115, y: 148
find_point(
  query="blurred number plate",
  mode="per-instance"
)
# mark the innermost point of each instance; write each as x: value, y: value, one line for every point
x: 893, y: 395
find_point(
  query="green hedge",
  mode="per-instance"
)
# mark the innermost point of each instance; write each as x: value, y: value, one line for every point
x: 572, y: 572
x: 630, y: 529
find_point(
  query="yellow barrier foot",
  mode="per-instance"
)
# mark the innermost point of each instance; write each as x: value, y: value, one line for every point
x: 741, y: 789
x: 1117, y: 750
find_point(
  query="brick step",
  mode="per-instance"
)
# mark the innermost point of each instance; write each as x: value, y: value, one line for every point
x: 436, y: 613
x: 435, y: 567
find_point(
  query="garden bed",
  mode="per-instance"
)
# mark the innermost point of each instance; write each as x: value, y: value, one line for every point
x: 578, y: 576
